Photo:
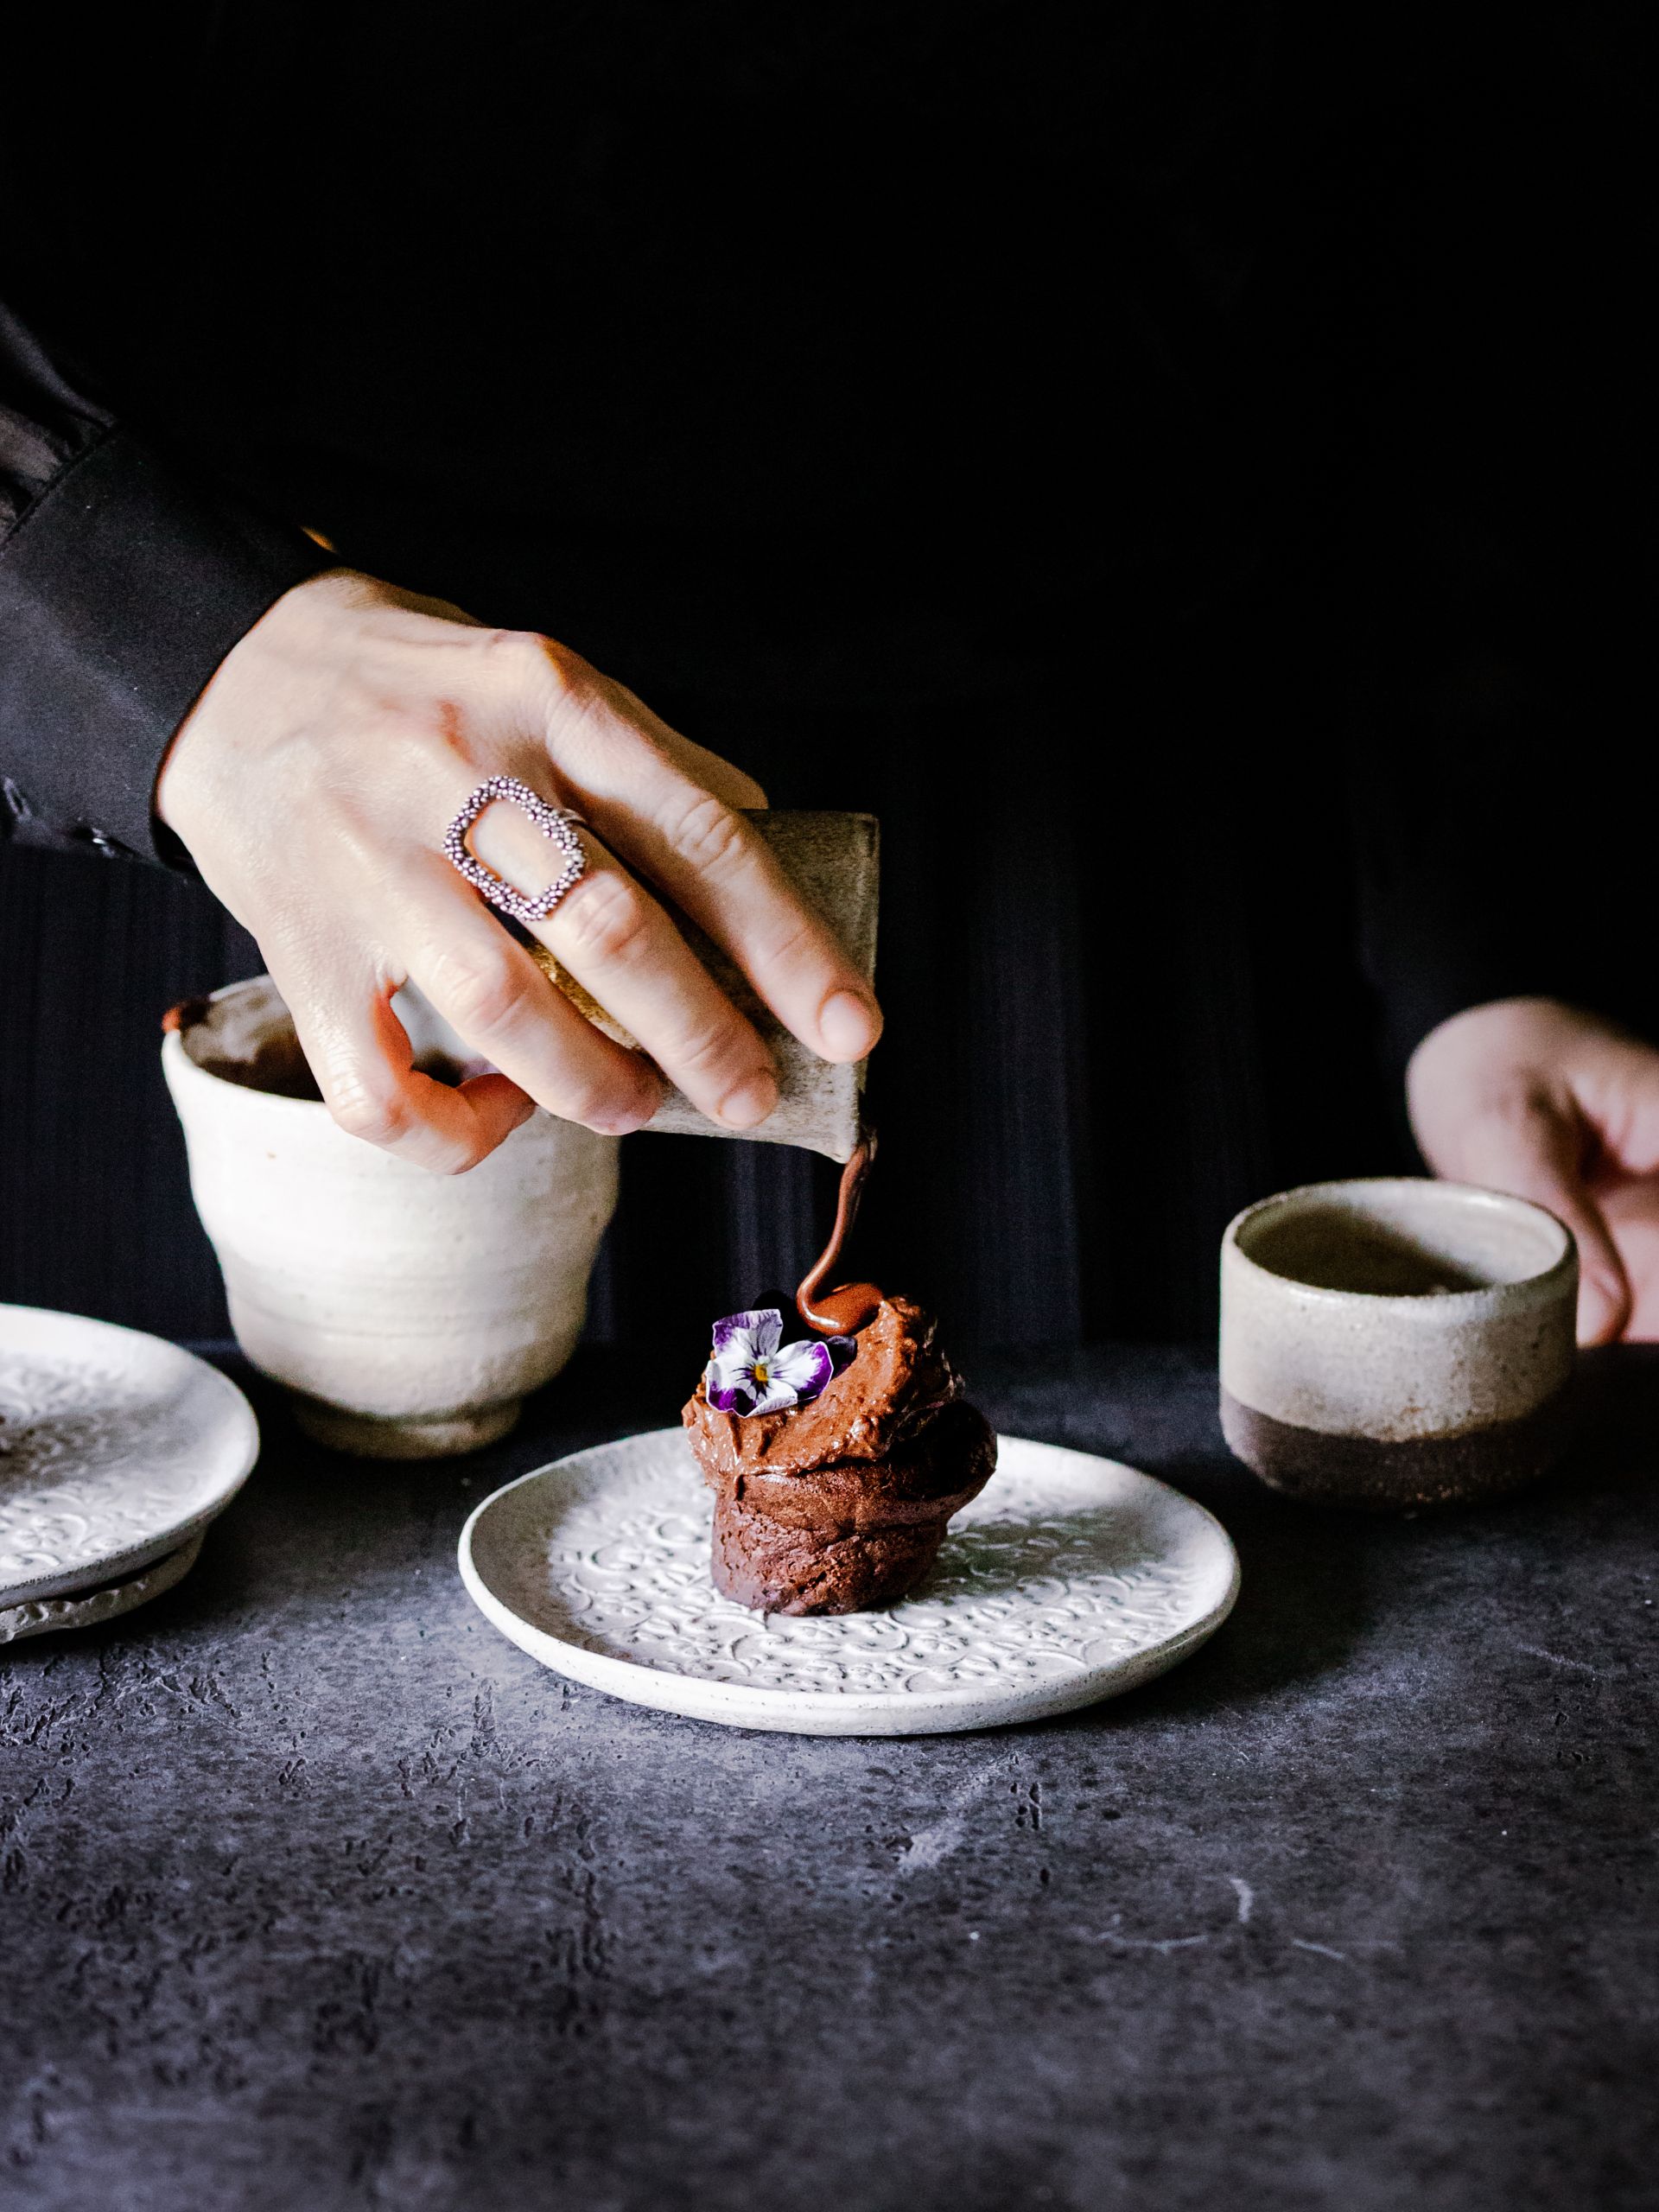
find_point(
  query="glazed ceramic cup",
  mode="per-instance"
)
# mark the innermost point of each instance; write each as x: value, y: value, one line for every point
x: 408, y: 1313
x: 1396, y: 1343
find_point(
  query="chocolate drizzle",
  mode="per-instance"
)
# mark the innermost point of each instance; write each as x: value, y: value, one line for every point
x: 839, y: 1313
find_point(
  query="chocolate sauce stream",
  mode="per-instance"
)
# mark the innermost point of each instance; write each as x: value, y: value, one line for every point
x: 840, y: 1311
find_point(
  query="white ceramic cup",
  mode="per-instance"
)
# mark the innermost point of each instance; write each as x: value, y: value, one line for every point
x: 1396, y: 1342
x: 408, y: 1313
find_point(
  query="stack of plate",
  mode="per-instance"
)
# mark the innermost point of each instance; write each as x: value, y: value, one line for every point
x: 116, y: 1451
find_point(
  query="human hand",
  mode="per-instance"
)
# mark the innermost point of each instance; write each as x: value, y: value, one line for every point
x: 1532, y: 1096
x: 312, y: 783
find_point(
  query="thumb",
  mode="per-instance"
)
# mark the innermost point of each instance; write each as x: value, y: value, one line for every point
x: 1537, y: 1153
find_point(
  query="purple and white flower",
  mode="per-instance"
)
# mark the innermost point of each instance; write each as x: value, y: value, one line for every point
x: 755, y: 1371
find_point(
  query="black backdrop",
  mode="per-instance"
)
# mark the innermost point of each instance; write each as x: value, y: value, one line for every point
x: 1122, y: 1001
x: 1146, y: 1007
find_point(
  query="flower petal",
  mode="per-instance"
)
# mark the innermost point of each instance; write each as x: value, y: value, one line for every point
x: 843, y: 1351
x: 730, y: 1374
x: 805, y: 1366
x: 730, y: 1397
x: 769, y: 1332
x: 777, y: 1398
x: 749, y: 1335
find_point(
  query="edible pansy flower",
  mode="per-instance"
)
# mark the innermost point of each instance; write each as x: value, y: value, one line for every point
x: 755, y: 1371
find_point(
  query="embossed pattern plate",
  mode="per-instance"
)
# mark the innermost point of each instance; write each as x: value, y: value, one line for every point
x: 115, y: 1449
x: 88, y: 1608
x: 1069, y: 1579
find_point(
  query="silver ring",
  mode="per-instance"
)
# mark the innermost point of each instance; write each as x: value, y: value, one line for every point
x: 558, y: 824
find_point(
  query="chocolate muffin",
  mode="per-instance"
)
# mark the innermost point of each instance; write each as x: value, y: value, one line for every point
x: 835, y: 1463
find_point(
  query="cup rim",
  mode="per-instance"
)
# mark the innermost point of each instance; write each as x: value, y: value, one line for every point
x: 1562, y: 1267
x: 175, y: 1050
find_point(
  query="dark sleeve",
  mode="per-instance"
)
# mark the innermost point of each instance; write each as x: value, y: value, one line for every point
x: 124, y: 581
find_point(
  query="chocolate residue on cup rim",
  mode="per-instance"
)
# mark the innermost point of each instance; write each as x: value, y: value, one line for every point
x: 842, y: 1311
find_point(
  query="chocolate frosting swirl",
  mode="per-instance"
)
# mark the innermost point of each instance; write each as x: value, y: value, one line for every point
x: 898, y: 1381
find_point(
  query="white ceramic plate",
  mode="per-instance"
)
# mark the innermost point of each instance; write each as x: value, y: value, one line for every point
x: 115, y: 1449
x: 86, y: 1608
x: 1068, y: 1579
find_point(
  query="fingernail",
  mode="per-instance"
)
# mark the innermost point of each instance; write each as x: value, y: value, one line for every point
x: 631, y: 1118
x: 847, y: 1025
x: 751, y: 1101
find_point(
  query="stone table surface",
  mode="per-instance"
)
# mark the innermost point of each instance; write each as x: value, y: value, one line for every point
x: 315, y: 1892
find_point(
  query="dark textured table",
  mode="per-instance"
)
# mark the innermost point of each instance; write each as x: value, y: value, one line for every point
x: 317, y: 1893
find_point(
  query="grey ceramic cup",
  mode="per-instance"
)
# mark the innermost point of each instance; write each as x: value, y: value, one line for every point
x: 1396, y: 1342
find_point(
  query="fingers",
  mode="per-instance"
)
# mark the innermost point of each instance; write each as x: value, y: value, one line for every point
x: 709, y: 860
x: 723, y: 778
x: 1531, y: 1148
x: 617, y: 941
x: 1617, y: 1080
x: 360, y: 718
x: 643, y: 799
x: 489, y: 990
x: 359, y: 1051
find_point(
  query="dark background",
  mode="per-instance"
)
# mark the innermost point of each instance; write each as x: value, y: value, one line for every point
x: 1326, y: 705
x: 1037, y: 1189
x: 1120, y: 1008
x: 1121, y: 1005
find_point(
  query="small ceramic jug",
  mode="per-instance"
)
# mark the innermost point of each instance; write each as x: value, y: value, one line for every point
x: 833, y: 861
x: 408, y: 1313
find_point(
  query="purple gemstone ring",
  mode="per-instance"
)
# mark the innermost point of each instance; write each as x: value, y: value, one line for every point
x: 558, y: 824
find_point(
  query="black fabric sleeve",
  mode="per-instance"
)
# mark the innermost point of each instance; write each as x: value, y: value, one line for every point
x: 124, y: 581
